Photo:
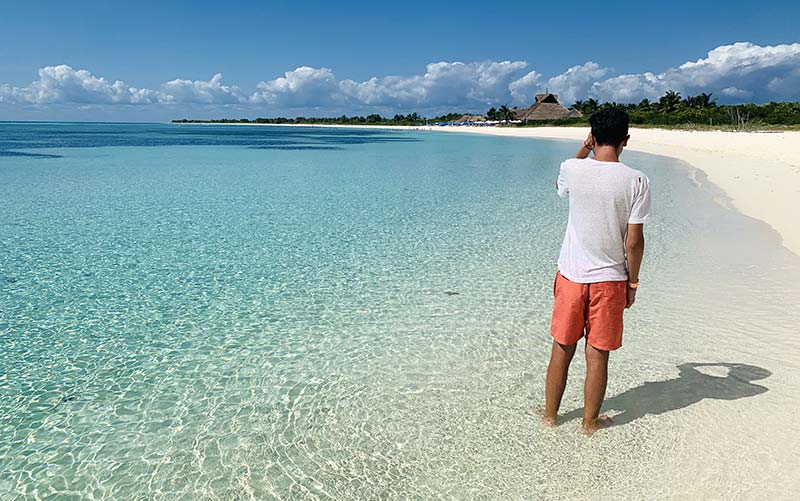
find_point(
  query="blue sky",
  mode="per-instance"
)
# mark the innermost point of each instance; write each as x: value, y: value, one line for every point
x: 158, y: 60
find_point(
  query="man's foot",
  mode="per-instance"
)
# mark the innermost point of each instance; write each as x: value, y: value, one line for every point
x: 589, y: 427
x: 549, y: 421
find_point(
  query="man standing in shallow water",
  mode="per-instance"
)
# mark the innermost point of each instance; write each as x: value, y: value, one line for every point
x: 598, y: 268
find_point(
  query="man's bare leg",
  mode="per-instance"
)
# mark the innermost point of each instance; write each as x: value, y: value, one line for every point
x: 560, y: 358
x: 594, y: 389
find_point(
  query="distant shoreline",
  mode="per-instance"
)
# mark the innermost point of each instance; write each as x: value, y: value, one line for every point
x: 349, y: 126
x: 682, y: 128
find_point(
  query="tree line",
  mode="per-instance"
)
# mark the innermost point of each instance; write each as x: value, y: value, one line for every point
x: 702, y: 109
x: 373, y: 119
x: 503, y: 114
x: 670, y: 109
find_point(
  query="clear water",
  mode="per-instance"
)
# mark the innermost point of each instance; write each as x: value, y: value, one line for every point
x: 221, y: 312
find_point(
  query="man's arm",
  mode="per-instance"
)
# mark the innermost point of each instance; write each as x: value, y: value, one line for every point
x: 634, y: 245
x: 586, y: 148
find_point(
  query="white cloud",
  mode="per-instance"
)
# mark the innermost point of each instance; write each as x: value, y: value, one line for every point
x: 386, y: 91
x: 470, y: 84
x: 630, y: 88
x: 787, y: 84
x: 524, y: 90
x: 6, y: 94
x: 736, y: 72
x: 576, y: 82
x: 62, y: 84
x: 200, y: 92
x: 570, y: 86
x: 443, y: 84
x: 735, y: 92
x: 304, y: 86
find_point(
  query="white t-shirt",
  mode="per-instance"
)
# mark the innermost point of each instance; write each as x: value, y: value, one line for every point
x: 604, y: 197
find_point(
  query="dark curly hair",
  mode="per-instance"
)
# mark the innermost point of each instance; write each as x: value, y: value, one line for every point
x: 609, y: 126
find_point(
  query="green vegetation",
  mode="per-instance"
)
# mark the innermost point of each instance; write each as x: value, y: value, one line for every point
x: 699, y: 111
x: 671, y: 110
x: 374, y: 119
x: 499, y: 115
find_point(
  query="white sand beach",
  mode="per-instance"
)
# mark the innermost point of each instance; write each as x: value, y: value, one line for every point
x: 758, y: 171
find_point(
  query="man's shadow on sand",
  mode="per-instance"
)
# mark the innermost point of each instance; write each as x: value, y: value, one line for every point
x: 690, y: 387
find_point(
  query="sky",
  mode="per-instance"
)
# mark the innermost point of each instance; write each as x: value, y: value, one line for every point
x: 155, y: 61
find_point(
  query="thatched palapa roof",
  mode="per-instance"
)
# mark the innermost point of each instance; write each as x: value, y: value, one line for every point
x: 472, y: 118
x: 546, y: 107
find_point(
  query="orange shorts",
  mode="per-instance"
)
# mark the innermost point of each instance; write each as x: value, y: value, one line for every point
x: 593, y: 309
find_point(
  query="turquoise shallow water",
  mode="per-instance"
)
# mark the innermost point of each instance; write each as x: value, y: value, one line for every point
x: 232, y: 312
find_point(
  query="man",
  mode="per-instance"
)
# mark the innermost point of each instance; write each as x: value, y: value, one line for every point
x: 599, y: 263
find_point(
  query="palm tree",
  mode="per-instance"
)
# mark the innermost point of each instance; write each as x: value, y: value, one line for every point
x: 670, y: 101
x: 491, y: 114
x: 700, y: 101
x: 705, y: 101
x: 505, y: 114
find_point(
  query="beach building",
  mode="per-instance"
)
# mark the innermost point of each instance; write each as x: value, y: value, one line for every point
x: 546, y: 107
x: 471, y: 118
